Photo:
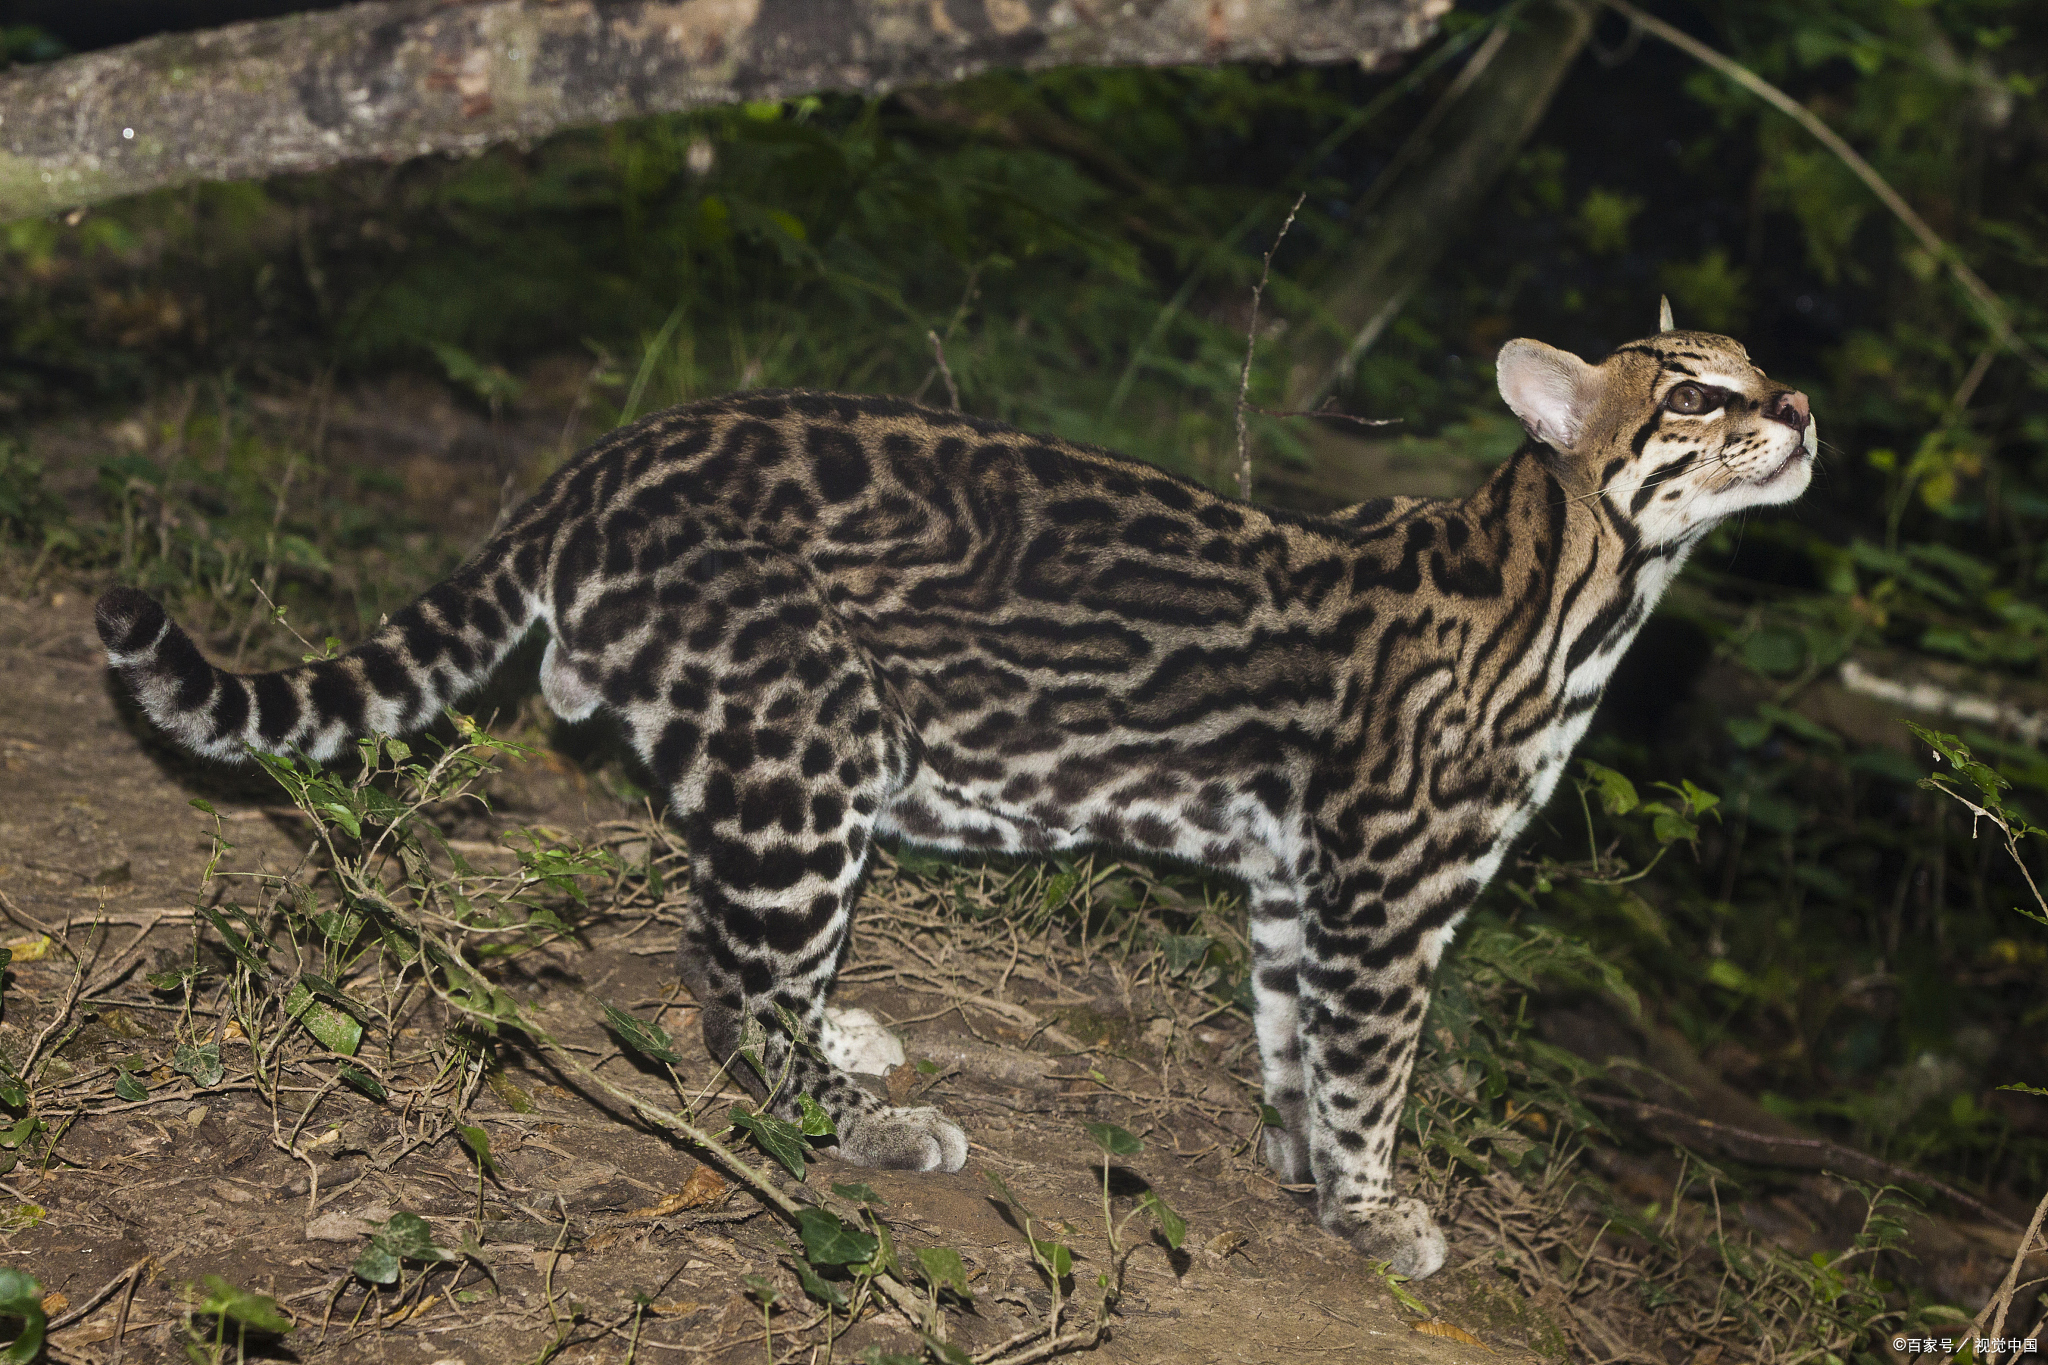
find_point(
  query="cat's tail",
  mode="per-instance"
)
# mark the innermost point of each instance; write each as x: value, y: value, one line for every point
x: 396, y: 681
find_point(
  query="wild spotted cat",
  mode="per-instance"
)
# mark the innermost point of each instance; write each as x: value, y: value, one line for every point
x: 825, y: 619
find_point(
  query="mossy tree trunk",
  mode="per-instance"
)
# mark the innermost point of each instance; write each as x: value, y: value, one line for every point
x: 392, y: 79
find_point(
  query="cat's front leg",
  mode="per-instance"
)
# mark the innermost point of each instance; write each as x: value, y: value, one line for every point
x: 1364, y: 990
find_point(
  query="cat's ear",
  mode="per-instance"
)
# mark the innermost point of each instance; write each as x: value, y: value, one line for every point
x: 1664, y: 322
x: 1552, y: 391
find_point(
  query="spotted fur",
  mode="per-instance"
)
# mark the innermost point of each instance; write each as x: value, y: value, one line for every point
x: 826, y: 619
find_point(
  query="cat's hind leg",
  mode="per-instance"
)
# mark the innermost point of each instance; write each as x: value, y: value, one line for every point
x: 1276, y: 930
x: 778, y: 747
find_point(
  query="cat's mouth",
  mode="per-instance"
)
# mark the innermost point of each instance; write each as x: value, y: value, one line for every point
x: 1798, y: 457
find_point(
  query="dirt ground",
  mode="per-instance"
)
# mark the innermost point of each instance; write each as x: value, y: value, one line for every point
x: 275, y: 1188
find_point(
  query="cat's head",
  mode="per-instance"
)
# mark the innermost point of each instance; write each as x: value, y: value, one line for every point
x: 1672, y: 433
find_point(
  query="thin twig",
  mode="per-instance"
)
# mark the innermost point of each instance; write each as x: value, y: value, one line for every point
x: 1988, y: 303
x: 97, y: 1297
x: 945, y: 370
x: 1328, y: 414
x: 1251, y: 345
x: 2002, y: 1300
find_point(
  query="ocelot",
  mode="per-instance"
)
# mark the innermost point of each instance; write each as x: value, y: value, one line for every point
x: 823, y: 620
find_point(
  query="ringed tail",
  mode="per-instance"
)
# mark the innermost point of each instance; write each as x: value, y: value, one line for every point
x: 444, y: 644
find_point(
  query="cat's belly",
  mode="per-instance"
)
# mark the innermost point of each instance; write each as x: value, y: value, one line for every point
x: 1022, y: 814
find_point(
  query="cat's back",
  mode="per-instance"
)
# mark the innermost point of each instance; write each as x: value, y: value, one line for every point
x: 895, y: 503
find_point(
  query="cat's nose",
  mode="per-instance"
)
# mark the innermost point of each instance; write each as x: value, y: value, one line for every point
x: 1791, y: 408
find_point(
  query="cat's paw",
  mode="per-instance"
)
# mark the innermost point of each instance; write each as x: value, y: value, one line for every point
x: 1402, y: 1233
x: 854, y: 1040
x: 903, y: 1140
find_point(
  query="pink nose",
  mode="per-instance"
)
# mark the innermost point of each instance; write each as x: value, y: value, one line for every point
x: 1791, y: 408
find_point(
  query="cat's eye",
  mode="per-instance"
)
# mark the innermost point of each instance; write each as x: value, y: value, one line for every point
x: 1688, y: 399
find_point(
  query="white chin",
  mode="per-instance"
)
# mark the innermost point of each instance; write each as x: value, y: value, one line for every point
x: 1785, y: 485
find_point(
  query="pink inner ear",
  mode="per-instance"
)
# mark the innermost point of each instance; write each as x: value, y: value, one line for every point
x: 1547, y: 389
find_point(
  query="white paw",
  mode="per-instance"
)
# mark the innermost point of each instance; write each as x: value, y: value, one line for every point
x: 1402, y: 1233
x: 854, y: 1040
x: 903, y: 1140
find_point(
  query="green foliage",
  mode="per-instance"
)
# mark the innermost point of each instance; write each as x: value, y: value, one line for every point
x: 777, y: 1138
x: 21, y: 1301
x: 400, y: 1238
x: 228, y: 1306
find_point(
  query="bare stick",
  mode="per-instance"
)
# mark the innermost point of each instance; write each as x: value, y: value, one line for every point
x: 98, y: 1296
x: 1251, y: 345
x: 1988, y: 303
x: 945, y: 370
x: 1328, y: 414
x: 2002, y: 1300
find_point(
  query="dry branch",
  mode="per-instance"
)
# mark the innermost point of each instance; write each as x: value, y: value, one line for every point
x: 392, y: 79
x: 1798, y: 1153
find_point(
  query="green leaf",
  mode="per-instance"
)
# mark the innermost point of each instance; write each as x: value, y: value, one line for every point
x: 479, y: 1144
x: 860, y: 1193
x: 1058, y: 889
x: 1776, y: 651
x: 829, y: 1241
x: 127, y: 1087
x: 201, y: 803
x: 200, y: 1061
x: 1812, y: 731
x: 236, y: 944
x: 363, y: 1081
x: 1396, y: 1285
x: 949, y: 1352
x: 1113, y: 1140
x: 778, y: 1139
x: 817, y: 1286
x: 764, y: 1292
x: 1171, y: 1224
x: 376, y: 1265
x: 1054, y: 1257
x: 875, y: 1355
x: 1272, y: 1117
x: 171, y: 981
x: 1747, y: 731
x: 2024, y: 1088
x: 1698, y: 800
x: 884, y: 1261
x: 1183, y: 951
x: 21, y: 1298
x: 1669, y: 827
x: 337, y: 1032
x: 649, y: 1040
x: 1729, y: 976
x: 342, y: 816
x: 402, y: 1237
x: 943, y: 1269
x: 256, y: 1312
x: 815, y: 1122
x: 20, y: 1131
x: 1617, y: 794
